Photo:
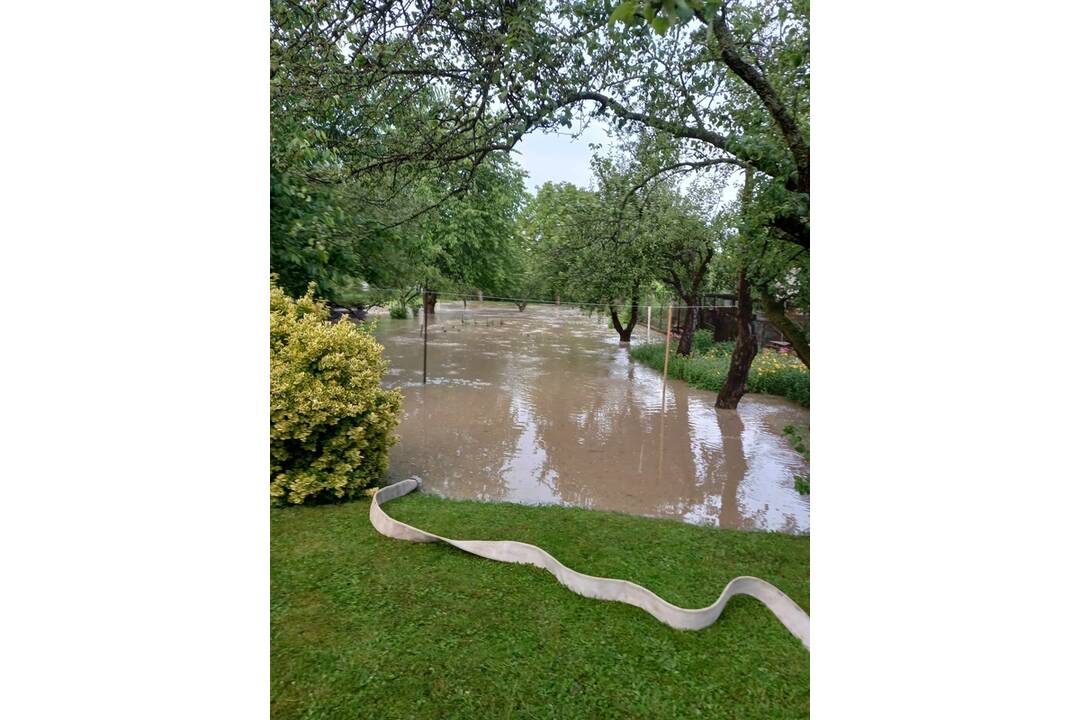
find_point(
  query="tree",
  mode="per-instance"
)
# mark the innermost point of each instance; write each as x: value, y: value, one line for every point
x: 318, y: 233
x: 413, y: 87
x: 746, y: 348
x: 685, y: 248
x: 525, y: 279
x: 469, y: 242
x: 591, y: 255
x: 667, y: 226
x: 753, y: 113
x: 414, y: 98
x: 554, y: 224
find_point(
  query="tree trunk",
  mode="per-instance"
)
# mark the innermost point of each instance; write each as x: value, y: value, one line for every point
x: 625, y: 332
x: 794, y: 334
x: 690, y: 294
x: 689, y: 325
x: 745, y: 350
x: 430, y: 297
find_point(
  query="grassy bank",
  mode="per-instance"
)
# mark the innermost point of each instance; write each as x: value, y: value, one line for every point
x: 772, y: 373
x: 364, y: 626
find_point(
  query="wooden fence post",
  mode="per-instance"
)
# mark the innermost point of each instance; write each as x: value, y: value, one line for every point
x: 667, y: 351
x: 424, y: 315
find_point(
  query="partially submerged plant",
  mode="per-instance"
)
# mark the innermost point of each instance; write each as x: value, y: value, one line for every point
x: 799, y: 444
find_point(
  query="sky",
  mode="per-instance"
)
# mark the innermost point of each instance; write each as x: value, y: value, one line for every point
x: 558, y: 157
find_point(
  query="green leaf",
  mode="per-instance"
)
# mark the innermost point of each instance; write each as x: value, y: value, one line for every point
x: 623, y: 13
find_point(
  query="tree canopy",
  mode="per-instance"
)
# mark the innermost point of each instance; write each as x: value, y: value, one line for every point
x: 393, y: 124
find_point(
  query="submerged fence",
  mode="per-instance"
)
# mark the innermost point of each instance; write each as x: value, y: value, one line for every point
x: 718, y: 316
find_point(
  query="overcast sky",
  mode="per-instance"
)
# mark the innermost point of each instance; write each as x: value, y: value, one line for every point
x: 558, y: 157
x: 562, y: 158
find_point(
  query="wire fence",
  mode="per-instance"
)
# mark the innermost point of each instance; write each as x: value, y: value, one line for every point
x: 644, y: 322
x: 716, y: 318
x: 453, y: 314
x: 546, y: 301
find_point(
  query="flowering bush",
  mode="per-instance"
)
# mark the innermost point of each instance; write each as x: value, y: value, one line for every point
x: 331, y: 422
x: 778, y: 373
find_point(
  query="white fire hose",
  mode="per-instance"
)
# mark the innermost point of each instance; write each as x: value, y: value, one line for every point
x: 784, y: 608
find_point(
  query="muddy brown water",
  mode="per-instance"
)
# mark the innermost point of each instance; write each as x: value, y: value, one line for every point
x: 545, y: 406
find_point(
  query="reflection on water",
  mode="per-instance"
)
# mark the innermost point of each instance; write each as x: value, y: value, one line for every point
x: 545, y: 406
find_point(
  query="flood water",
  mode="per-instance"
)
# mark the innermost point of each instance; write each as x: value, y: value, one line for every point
x: 545, y: 406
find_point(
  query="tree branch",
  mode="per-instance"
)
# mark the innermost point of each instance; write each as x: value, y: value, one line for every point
x: 793, y: 136
x: 679, y: 130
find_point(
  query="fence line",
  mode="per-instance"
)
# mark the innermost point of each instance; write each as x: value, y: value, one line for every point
x: 644, y: 325
x: 538, y: 301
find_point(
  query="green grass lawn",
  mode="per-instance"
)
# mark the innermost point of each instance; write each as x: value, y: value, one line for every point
x: 363, y: 626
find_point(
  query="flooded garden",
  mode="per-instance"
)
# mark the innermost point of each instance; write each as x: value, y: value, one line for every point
x: 545, y: 406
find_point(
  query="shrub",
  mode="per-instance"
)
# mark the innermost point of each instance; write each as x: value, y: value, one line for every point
x: 331, y: 422
x: 725, y: 347
x: 398, y: 311
x: 791, y: 382
x: 702, y: 341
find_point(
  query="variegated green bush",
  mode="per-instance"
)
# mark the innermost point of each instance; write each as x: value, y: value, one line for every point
x: 331, y: 422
